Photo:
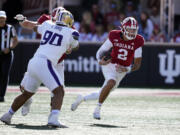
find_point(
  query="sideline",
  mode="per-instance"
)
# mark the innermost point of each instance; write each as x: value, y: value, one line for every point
x: 118, y: 91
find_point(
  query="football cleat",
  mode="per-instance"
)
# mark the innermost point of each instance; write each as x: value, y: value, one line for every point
x: 53, y: 122
x: 78, y: 101
x: 96, y: 113
x: 26, y: 107
x: 6, y: 118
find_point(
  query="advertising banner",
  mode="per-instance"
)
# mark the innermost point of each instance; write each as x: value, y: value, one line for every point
x: 160, y: 67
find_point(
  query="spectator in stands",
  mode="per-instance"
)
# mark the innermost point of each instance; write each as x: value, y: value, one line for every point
x: 121, y: 17
x: 145, y: 26
x: 113, y: 15
x: 155, y: 17
x: 100, y: 35
x: 105, y: 8
x: 87, y: 20
x: 157, y: 35
x: 85, y: 34
x: 76, y: 25
x: 130, y: 10
x: 110, y: 27
x: 153, y: 3
x: 177, y: 38
x: 97, y: 16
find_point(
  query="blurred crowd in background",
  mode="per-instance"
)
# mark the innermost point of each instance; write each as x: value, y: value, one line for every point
x: 95, y: 18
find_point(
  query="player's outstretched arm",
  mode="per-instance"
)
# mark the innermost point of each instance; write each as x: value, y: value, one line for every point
x: 25, y: 23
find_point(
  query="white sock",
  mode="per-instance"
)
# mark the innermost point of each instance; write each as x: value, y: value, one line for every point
x: 99, y: 104
x: 98, y: 108
x: 11, y: 111
x: 92, y: 96
x: 55, y: 111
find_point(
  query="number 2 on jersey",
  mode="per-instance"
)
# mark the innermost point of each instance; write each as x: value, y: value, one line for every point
x: 51, y: 38
x: 123, y: 55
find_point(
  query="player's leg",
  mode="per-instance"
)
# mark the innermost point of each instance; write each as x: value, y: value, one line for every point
x: 95, y: 95
x: 17, y: 103
x: 56, y: 104
x: 30, y: 88
x: 103, y: 95
x: 26, y: 106
x: 112, y: 78
x: 60, y: 69
x: 89, y: 97
x: 51, y: 79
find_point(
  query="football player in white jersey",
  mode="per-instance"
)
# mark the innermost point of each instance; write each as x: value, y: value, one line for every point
x: 56, y: 40
x: 60, y: 66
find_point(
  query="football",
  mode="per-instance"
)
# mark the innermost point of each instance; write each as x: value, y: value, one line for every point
x: 107, y: 55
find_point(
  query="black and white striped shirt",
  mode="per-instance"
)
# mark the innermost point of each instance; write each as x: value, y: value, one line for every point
x: 6, y: 33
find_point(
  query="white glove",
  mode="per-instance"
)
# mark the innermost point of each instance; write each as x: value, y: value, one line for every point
x: 20, y: 17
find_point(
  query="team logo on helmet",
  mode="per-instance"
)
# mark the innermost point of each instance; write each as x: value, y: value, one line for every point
x: 130, y: 28
x: 65, y: 18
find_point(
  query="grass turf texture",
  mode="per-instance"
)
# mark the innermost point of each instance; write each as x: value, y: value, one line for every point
x: 126, y: 112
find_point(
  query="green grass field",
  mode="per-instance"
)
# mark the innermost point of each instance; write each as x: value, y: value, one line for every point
x: 125, y: 112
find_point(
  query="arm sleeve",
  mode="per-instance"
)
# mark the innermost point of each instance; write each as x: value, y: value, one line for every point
x: 138, y: 53
x: 74, y: 39
x: 105, y: 47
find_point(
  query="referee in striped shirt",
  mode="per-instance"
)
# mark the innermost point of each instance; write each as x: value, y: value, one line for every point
x: 8, y: 41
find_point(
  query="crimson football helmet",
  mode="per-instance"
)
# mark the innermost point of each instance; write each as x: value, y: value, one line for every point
x: 130, y: 28
x: 56, y: 11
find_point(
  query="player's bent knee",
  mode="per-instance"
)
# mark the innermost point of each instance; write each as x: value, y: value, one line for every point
x: 27, y: 94
x: 111, y: 83
x: 21, y: 88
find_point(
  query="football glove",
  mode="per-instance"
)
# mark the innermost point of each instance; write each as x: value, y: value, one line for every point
x: 20, y: 17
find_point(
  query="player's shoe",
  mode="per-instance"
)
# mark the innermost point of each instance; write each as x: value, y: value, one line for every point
x: 53, y: 122
x: 96, y: 113
x: 78, y: 101
x: 26, y: 107
x: 6, y: 118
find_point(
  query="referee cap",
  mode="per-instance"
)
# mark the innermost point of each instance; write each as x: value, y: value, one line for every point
x: 3, y: 14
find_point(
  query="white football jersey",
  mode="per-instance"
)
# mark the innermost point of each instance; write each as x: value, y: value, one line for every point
x: 55, y: 40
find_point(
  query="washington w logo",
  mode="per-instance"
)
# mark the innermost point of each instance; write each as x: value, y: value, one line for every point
x: 170, y: 69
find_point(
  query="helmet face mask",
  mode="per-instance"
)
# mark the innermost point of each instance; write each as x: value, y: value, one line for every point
x: 130, y: 28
